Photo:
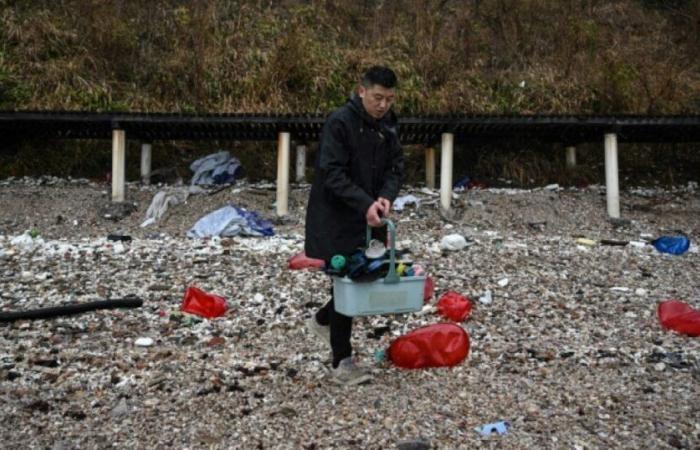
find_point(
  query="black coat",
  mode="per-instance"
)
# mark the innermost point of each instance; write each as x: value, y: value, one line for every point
x: 359, y: 160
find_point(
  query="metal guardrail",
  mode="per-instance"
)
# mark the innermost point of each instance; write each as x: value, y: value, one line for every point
x: 305, y: 127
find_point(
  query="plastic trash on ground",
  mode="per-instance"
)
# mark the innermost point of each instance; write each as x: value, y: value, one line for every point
x: 404, y: 200
x: 453, y: 242
x: 675, y: 245
x: 231, y: 221
x: 500, y: 428
x: 454, y: 306
x: 487, y: 298
x: 27, y: 241
x: 428, y: 289
x: 439, y: 345
x: 203, y: 304
x: 217, y: 168
x: 680, y: 317
x: 301, y: 261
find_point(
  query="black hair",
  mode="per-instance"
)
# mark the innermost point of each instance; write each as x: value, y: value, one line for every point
x: 380, y: 75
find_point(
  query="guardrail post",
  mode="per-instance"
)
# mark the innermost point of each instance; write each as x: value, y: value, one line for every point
x: 430, y: 167
x: 301, y: 163
x: 146, y: 163
x: 570, y: 157
x: 612, y: 189
x: 446, y: 171
x: 118, y: 165
x: 282, y: 173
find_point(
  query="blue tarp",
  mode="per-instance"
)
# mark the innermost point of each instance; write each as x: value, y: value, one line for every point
x: 231, y: 221
x: 217, y: 168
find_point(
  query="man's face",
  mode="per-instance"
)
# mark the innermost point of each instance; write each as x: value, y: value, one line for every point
x: 376, y: 99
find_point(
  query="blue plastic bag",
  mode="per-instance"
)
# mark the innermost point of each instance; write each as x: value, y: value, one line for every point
x: 675, y: 245
x: 462, y: 183
x: 500, y: 428
x: 231, y: 221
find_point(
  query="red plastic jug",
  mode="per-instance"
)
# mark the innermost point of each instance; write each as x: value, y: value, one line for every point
x: 301, y: 261
x: 454, y: 306
x: 198, y: 302
x: 679, y: 316
x: 439, y: 345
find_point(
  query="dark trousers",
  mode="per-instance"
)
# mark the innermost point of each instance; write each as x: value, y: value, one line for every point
x: 341, y: 329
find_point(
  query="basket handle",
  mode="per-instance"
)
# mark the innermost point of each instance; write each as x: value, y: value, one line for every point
x: 391, y: 277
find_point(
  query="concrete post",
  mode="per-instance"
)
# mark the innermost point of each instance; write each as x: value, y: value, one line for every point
x: 283, y: 143
x: 118, y: 165
x: 612, y: 188
x: 570, y: 157
x: 446, y: 152
x: 146, y: 163
x: 430, y: 167
x: 301, y: 163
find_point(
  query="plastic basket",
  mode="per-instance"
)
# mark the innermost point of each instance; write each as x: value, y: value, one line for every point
x: 389, y: 295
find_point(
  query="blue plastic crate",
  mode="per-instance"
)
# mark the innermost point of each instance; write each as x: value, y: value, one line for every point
x: 389, y: 295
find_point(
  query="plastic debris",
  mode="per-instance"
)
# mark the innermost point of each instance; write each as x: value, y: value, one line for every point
x: 143, y: 342
x: 203, y: 304
x: 462, y: 183
x: 217, y: 168
x: 401, y: 202
x: 26, y: 243
x: 675, y: 245
x: 680, y: 317
x: 376, y: 249
x: 584, y: 241
x: 614, y: 242
x: 231, y: 221
x: 453, y: 242
x: 428, y: 289
x: 379, y: 355
x: 301, y: 261
x: 119, y: 237
x: 454, y: 306
x: 620, y: 289
x: 439, y: 345
x: 500, y: 428
x: 487, y: 298
x: 503, y: 282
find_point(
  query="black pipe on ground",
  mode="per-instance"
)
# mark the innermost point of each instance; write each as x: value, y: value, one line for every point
x: 67, y: 310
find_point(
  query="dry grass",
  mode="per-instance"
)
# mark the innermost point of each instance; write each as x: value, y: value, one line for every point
x: 475, y: 56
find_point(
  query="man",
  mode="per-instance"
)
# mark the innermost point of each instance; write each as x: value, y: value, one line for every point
x: 358, y: 173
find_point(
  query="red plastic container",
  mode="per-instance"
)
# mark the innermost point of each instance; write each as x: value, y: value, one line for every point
x: 440, y: 345
x: 198, y: 302
x: 680, y: 317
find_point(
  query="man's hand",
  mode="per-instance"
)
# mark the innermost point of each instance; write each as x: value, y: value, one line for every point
x: 385, y: 206
x: 373, y: 215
